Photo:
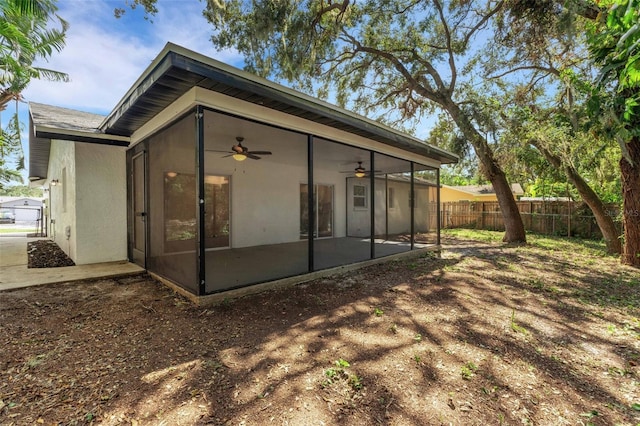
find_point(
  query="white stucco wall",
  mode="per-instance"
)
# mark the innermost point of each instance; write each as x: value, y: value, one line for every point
x: 265, y: 194
x: 62, y: 197
x: 399, y: 215
x: 101, y: 203
x: 89, y: 200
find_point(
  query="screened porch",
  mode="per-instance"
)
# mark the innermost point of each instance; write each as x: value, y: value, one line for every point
x: 210, y: 220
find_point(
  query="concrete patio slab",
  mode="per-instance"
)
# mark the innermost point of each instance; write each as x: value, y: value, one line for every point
x: 15, y: 274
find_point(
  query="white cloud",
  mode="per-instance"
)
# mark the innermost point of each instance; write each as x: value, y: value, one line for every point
x: 104, y: 56
x: 182, y: 23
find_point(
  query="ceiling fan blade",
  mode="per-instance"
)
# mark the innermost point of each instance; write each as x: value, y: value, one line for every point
x: 228, y: 155
x: 253, y: 157
x: 217, y: 150
x: 260, y: 152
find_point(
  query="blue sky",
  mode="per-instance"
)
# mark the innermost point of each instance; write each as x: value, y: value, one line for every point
x: 104, y: 56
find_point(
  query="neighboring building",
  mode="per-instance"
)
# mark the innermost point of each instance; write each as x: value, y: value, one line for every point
x: 551, y: 198
x: 475, y: 193
x: 202, y: 174
x: 24, y: 209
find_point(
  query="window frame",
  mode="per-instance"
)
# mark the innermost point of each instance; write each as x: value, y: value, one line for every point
x: 364, y: 197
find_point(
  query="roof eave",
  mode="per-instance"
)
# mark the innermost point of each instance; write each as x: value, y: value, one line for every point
x: 76, y: 136
x: 210, y: 69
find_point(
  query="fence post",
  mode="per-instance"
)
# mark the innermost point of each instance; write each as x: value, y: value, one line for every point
x: 569, y: 219
x: 530, y: 215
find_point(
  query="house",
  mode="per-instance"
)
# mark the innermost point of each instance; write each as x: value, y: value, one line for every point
x: 24, y: 209
x: 474, y: 193
x: 214, y: 179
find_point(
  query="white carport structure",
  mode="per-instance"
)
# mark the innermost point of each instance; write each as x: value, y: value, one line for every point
x: 25, y: 209
x: 156, y: 180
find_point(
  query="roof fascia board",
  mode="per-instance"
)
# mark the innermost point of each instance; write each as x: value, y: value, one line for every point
x: 228, y: 104
x: 76, y: 136
x: 157, y: 67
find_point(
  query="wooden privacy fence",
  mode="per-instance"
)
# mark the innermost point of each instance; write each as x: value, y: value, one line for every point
x: 544, y: 217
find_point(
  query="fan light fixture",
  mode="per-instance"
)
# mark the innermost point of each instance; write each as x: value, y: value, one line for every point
x: 241, y: 153
x: 360, y: 173
x: 239, y: 157
x: 172, y: 174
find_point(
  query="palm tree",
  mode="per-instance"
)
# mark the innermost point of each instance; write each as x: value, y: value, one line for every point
x: 26, y: 36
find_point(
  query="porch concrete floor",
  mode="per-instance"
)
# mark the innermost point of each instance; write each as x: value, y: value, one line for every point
x: 15, y: 274
x: 264, y: 263
x: 232, y: 268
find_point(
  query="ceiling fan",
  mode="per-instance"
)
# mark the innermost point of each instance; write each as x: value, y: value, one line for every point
x: 240, y: 152
x: 360, y: 171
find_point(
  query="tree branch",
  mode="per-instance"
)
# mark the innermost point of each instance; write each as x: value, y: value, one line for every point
x: 483, y: 21
x: 549, y: 70
x: 447, y: 33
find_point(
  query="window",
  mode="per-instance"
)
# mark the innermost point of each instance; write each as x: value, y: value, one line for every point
x: 180, y: 215
x: 360, y: 196
x: 179, y: 207
x: 391, y: 195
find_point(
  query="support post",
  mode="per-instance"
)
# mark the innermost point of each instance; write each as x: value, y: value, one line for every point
x: 201, y: 263
x: 438, y: 209
x: 412, y: 213
x: 311, y: 206
x: 372, y: 204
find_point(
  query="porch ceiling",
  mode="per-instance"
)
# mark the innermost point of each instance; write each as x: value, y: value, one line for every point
x: 177, y: 70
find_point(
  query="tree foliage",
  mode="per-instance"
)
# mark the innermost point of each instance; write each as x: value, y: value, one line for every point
x: 614, y: 42
x: 21, y: 191
x: 28, y: 32
x: 27, y: 35
x: 11, y: 158
x: 615, y: 46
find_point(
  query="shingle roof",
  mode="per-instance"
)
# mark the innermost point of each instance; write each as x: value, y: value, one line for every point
x: 54, y: 122
x: 486, y: 189
x: 54, y: 117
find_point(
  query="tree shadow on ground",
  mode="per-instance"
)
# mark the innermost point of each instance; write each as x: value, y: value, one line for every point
x: 470, y: 338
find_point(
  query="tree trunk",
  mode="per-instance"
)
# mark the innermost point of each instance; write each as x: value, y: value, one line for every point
x: 630, y: 172
x: 591, y: 199
x: 513, y: 225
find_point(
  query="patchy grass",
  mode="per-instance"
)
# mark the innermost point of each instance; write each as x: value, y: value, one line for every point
x: 488, y: 333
